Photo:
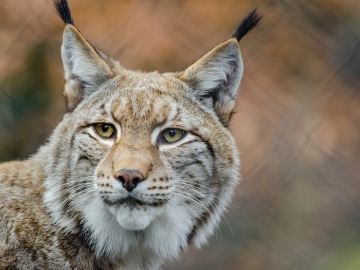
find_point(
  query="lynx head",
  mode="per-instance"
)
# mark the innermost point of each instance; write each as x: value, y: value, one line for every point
x: 143, y: 161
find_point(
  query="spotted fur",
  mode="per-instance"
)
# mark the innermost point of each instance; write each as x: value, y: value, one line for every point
x: 64, y: 208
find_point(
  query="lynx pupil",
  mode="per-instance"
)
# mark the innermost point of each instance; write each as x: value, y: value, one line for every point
x: 105, y: 128
x: 172, y: 133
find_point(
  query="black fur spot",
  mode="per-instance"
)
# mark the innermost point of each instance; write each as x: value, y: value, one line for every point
x: 62, y: 8
x: 247, y: 24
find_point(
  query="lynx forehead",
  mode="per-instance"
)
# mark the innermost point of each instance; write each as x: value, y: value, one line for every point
x: 141, y: 166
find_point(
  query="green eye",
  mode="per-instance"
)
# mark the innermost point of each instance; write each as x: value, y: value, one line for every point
x: 172, y: 135
x: 105, y: 131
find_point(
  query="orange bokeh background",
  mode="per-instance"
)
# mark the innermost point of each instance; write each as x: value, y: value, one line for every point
x: 297, y: 123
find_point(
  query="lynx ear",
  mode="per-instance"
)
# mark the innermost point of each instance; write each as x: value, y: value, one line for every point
x: 215, y: 78
x: 85, y: 69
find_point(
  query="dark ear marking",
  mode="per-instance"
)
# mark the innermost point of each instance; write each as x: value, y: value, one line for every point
x: 247, y: 24
x: 62, y: 8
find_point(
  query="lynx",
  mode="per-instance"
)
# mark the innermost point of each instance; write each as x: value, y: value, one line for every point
x: 141, y: 167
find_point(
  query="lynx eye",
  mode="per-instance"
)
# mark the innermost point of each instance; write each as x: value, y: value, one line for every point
x: 172, y: 135
x: 104, y: 130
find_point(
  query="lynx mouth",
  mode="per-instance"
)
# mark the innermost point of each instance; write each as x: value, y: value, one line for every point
x: 132, y: 202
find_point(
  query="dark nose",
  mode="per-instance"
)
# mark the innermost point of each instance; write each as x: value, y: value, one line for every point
x: 129, y: 178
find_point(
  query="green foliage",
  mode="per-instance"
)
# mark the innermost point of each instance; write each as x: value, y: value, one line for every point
x: 23, y: 106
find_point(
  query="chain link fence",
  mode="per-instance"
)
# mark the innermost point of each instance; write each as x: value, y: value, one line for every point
x: 297, y: 122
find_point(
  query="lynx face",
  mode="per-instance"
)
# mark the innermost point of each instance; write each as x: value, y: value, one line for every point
x: 148, y: 148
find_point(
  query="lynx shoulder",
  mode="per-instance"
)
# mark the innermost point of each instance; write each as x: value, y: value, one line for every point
x: 141, y: 166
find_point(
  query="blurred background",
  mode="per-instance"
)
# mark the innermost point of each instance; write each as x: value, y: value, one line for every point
x: 297, y: 122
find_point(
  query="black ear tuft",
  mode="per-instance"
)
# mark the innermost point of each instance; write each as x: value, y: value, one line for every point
x: 63, y: 10
x: 247, y: 24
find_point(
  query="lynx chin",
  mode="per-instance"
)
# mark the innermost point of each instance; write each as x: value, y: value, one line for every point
x: 141, y: 166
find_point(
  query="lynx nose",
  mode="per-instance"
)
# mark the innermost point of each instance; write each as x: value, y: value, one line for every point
x: 129, y: 178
